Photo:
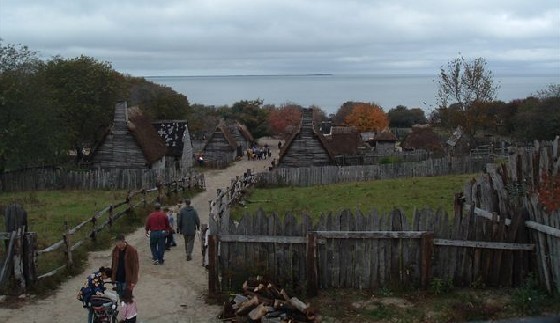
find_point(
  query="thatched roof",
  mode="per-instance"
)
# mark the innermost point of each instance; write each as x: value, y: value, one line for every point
x: 245, y: 132
x: 223, y: 128
x: 344, y: 140
x: 422, y: 137
x: 316, y: 134
x: 385, y: 136
x: 153, y: 147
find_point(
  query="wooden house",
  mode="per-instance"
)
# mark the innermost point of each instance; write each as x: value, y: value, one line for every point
x: 131, y: 142
x: 344, y: 140
x: 306, y: 146
x: 384, y: 142
x: 175, y: 134
x: 422, y: 137
x: 242, y: 136
x: 221, y: 147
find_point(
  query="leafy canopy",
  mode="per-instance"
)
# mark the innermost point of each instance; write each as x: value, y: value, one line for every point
x: 367, y: 117
x: 465, y: 82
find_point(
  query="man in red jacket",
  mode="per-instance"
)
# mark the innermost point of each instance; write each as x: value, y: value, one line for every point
x: 157, y: 227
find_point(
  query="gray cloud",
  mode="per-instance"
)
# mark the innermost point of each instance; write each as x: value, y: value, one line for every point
x: 201, y: 37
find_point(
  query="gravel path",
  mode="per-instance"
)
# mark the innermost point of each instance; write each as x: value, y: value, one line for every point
x: 174, y: 292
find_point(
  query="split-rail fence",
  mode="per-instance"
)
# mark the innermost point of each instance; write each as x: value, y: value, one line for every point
x: 22, y: 254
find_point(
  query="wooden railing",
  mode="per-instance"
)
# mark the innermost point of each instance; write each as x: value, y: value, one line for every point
x: 101, y: 220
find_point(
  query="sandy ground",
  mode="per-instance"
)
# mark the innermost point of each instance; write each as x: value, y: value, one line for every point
x: 174, y: 292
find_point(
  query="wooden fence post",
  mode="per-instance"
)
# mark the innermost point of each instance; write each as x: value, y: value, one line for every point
x: 110, y: 216
x: 312, y: 278
x: 18, y: 260
x: 426, y: 252
x: 213, y: 279
x: 144, y: 197
x: 93, y: 234
x: 68, y: 250
x: 160, y: 192
x: 30, y: 257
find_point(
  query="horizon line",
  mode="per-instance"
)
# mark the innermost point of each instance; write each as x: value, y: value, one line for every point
x: 332, y: 74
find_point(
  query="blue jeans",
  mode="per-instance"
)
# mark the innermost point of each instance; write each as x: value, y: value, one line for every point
x: 157, y: 245
x: 121, y: 287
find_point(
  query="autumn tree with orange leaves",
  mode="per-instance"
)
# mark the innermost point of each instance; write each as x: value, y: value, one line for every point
x: 367, y: 117
x: 280, y: 119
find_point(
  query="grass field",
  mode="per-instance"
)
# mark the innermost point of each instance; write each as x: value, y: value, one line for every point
x: 48, y: 211
x: 383, y: 195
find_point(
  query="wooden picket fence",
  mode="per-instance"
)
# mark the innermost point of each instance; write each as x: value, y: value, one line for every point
x: 497, y: 235
x: 510, y: 191
x: 96, y: 179
x: 367, y: 250
x: 308, y: 176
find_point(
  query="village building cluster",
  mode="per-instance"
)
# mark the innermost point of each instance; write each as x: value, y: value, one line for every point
x: 132, y: 141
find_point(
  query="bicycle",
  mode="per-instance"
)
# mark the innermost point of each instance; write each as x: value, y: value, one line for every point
x: 103, y: 308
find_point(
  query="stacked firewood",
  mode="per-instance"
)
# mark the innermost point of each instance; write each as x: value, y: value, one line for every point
x: 264, y: 302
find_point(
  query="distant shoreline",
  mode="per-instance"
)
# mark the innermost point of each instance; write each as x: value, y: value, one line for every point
x: 237, y: 75
x: 333, y: 74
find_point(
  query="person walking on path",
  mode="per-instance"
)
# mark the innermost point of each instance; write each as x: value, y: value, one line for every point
x: 125, y: 266
x: 187, y: 225
x: 170, y: 239
x: 128, y: 311
x: 157, y: 227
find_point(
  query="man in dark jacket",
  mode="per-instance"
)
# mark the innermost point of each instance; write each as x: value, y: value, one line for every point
x: 125, y: 265
x: 187, y: 225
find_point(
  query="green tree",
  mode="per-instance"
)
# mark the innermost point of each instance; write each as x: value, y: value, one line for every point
x: 202, y: 120
x: 537, y: 119
x: 156, y: 101
x: 30, y: 132
x: 402, y: 117
x: 85, y: 91
x: 251, y: 114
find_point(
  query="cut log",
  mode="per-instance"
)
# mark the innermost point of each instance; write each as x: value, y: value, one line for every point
x: 301, y: 306
x: 284, y: 295
x: 283, y: 305
x: 247, y: 306
x: 258, y: 312
x: 274, y: 319
x: 259, y: 288
x: 274, y: 291
x: 238, y: 300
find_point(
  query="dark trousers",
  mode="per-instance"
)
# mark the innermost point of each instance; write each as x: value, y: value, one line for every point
x: 157, y: 245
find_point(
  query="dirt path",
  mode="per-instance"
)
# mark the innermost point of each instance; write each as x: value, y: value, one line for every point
x: 173, y: 292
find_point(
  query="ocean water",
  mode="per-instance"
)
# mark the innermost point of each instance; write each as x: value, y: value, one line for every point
x: 330, y: 91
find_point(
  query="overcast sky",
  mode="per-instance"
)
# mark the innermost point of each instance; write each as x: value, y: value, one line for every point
x: 221, y: 37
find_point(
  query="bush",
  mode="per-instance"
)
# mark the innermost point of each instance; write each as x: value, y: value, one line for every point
x: 529, y: 298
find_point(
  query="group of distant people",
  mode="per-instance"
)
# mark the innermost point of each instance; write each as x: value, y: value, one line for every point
x: 258, y: 153
x: 160, y: 227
